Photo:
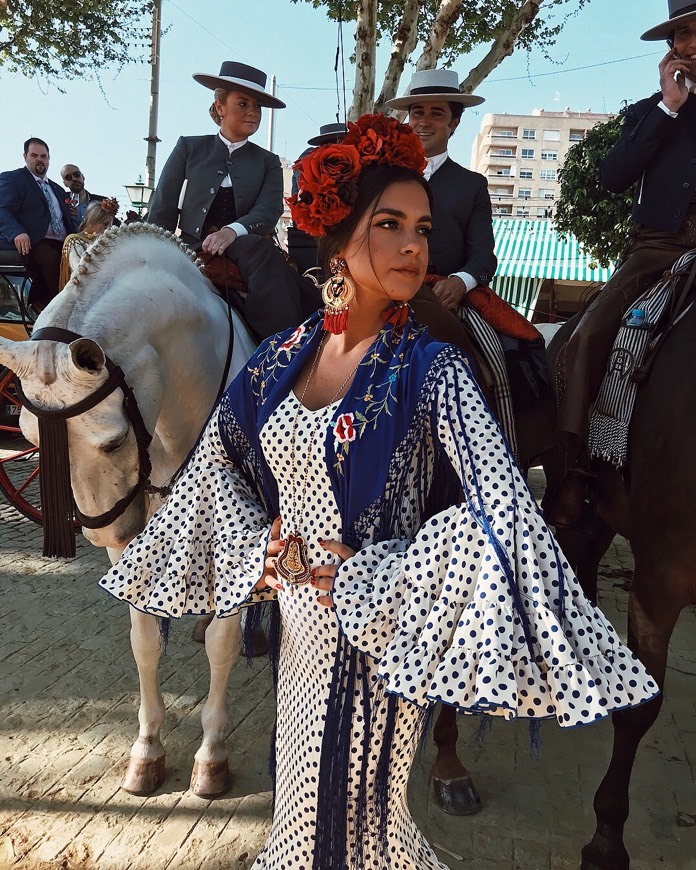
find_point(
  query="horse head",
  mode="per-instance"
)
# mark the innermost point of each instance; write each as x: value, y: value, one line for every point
x: 104, y: 456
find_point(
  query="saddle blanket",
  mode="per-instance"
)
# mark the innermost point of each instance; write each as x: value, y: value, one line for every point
x: 611, y: 416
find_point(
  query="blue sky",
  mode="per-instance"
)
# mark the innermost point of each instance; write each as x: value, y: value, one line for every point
x: 597, y: 62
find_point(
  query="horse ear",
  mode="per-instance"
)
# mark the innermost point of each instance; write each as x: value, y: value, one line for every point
x: 15, y: 355
x: 87, y: 355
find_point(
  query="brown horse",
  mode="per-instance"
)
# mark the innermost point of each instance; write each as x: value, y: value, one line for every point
x: 653, y: 504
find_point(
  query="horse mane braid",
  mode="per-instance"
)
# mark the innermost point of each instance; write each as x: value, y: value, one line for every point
x: 93, y: 256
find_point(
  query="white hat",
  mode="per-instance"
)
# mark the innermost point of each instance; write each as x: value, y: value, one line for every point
x: 240, y: 77
x: 680, y: 11
x: 429, y: 85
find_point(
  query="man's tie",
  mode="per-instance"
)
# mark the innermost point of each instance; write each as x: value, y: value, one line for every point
x: 56, y: 220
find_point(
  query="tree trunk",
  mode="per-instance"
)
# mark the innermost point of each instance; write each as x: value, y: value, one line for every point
x: 403, y: 43
x: 365, y: 50
x: 447, y: 14
x: 503, y: 46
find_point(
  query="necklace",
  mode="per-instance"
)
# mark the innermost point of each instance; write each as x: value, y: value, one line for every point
x: 293, y: 562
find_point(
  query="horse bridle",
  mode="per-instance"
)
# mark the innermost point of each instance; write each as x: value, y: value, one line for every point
x: 116, y: 380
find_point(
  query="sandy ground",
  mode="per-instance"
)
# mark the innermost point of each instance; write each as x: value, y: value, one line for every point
x: 69, y: 699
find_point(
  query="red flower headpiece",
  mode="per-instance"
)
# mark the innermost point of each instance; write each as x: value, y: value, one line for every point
x: 329, y: 174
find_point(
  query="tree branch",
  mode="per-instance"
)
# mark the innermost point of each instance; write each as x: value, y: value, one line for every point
x: 403, y: 43
x: 503, y: 46
x: 447, y: 14
x: 365, y: 52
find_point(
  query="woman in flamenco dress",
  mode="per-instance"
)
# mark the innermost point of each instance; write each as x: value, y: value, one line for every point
x: 354, y: 473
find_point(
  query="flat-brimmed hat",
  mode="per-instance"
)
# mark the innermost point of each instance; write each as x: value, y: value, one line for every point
x: 329, y: 133
x: 240, y: 77
x: 430, y: 85
x: 680, y: 11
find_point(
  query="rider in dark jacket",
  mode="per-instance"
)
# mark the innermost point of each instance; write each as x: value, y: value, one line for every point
x: 656, y: 152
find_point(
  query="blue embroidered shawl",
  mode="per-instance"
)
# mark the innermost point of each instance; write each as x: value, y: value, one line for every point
x: 381, y: 421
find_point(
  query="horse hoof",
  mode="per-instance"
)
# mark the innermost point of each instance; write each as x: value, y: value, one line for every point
x: 210, y: 779
x: 458, y: 797
x: 144, y: 776
x: 594, y: 858
x: 198, y: 633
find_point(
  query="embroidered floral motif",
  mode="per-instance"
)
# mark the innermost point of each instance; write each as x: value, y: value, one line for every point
x: 294, y: 338
x: 344, y: 430
x: 379, y: 396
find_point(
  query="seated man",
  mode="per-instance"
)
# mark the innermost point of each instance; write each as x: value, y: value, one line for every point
x: 656, y: 152
x: 225, y: 194
x: 461, y: 243
x: 34, y: 220
x: 79, y: 197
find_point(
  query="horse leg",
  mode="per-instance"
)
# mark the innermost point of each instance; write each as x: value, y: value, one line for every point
x: 211, y: 772
x: 584, y: 552
x: 650, y: 625
x: 453, y: 788
x: 145, y: 771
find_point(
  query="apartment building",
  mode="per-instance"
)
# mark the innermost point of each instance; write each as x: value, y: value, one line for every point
x: 520, y: 155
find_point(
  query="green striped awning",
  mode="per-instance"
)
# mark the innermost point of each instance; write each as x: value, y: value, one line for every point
x: 530, y: 251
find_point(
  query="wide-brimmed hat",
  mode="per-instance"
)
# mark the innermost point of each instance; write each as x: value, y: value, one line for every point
x: 329, y: 133
x: 430, y: 85
x: 680, y: 11
x: 241, y: 77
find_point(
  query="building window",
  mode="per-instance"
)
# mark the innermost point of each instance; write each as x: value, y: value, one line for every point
x: 552, y: 135
x: 524, y: 193
x: 507, y: 134
x: 504, y: 152
x: 549, y: 155
x: 577, y: 135
x: 547, y: 174
x: 528, y: 154
x: 526, y: 173
x: 522, y: 212
x: 502, y: 210
x: 529, y: 134
x: 502, y: 170
x: 546, y: 194
x: 544, y: 213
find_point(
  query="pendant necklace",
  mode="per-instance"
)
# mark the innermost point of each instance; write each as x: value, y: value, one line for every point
x: 293, y: 562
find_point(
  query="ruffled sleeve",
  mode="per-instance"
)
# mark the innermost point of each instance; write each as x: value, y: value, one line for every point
x: 480, y: 610
x: 204, y: 549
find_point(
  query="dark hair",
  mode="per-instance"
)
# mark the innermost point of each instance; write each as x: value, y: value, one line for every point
x: 457, y: 110
x: 34, y: 139
x: 372, y: 183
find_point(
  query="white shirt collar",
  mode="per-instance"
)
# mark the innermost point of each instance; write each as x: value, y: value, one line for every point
x: 434, y: 163
x: 39, y: 178
x: 690, y: 85
x: 232, y: 146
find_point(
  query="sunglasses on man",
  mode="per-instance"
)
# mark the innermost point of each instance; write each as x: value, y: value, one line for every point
x: 70, y: 175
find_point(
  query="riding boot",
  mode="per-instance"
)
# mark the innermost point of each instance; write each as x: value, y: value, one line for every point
x: 567, y: 504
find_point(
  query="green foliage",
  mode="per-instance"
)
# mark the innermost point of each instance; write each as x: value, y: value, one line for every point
x: 479, y: 21
x: 600, y: 220
x: 62, y: 39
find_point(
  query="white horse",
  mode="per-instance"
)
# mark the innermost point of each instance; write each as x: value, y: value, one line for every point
x: 139, y: 300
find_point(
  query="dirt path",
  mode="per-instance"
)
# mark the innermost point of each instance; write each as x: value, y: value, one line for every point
x: 69, y: 696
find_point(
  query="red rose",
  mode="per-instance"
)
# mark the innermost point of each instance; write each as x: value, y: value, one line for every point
x: 328, y: 162
x: 344, y: 430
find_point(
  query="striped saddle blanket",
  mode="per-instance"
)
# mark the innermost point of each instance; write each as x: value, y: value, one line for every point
x: 611, y: 415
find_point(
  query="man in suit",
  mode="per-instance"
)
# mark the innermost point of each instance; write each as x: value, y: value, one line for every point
x: 656, y: 152
x: 225, y: 194
x: 34, y: 220
x: 461, y: 243
x: 79, y: 197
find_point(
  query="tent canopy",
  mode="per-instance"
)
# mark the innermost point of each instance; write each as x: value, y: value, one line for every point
x: 531, y: 251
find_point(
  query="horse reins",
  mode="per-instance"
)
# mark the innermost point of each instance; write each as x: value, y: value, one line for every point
x: 56, y: 492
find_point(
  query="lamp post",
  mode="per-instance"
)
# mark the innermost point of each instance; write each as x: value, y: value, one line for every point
x: 139, y: 195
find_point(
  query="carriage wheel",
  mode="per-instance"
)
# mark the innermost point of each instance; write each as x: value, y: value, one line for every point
x: 19, y: 465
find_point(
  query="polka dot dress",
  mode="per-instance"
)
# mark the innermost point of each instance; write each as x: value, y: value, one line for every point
x: 310, y: 634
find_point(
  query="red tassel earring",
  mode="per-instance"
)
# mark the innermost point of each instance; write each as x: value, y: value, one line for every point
x: 337, y: 293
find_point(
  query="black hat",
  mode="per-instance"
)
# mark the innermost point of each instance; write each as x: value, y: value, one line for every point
x: 241, y: 77
x: 680, y: 11
x: 329, y: 133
